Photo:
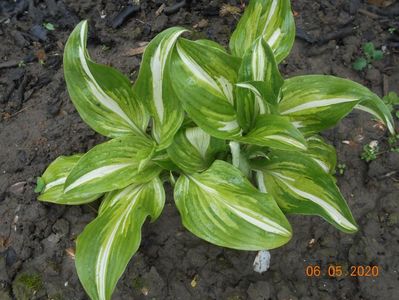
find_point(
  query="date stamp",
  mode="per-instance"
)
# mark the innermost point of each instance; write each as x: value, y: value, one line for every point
x: 334, y: 271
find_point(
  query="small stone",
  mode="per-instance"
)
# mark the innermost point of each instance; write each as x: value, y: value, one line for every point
x: 18, y: 188
x: 11, y: 256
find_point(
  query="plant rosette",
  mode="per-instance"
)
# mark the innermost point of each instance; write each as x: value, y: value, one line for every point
x: 242, y: 140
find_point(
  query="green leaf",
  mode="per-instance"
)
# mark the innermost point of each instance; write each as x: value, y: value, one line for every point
x: 271, y: 20
x: 153, y: 86
x: 301, y: 186
x: 102, y: 95
x: 222, y: 207
x: 203, y: 79
x: 239, y: 159
x: 163, y: 160
x: 368, y: 49
x: 52, y: 183
x: 378, y: 55
x: 106, y: 245
x: 259, y: 83
x: 49, y: 26
x: 318, y: 102
x: 40, y: 184
x: 322, y: 153
x: 360, y: 64
x: 276, y: 132
x: 113, y: 165
x: 193, y: 150
x: 209, y: 43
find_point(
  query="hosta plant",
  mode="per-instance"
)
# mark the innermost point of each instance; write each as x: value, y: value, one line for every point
x: 237, y: 140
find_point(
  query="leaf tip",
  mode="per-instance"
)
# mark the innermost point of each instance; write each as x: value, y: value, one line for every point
x: 40, y: 185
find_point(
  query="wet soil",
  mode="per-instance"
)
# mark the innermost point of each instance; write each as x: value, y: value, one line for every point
x: 38, y: 123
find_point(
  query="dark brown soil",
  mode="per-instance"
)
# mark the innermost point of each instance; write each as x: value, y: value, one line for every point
x: 38, y: 123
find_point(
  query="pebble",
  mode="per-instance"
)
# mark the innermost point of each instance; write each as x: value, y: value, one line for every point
x: 18, y: 188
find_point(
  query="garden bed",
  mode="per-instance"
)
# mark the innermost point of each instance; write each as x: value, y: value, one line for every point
x: 39, y: 123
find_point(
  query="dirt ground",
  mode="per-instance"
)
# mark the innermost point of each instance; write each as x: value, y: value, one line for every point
x: 38, y: 123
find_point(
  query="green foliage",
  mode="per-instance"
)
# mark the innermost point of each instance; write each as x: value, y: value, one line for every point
x: 392, y: 101
x: 26, y: 285
x: 370, y: 151
x: 341, y: 167
x: 238, y: 142
x: 49, y: 26
x: 370, y: 55
x: 393, y: 142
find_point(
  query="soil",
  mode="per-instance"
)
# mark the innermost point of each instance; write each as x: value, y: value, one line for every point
x: 38, y: 123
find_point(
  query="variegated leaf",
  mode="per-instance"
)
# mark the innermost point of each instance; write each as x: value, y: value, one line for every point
x: 113, y: 165
x: 276, y: 132
x: 222, y: 207
x: 301, y: 186
x: 239, y: 159
x: 271, y: 20
x: 163, y: 160
x: 193, y: 150
x: 102, y: 95
x: 106, y: 245
x: 322, y: 153
x: 54, y: 178
x: 154, y: 86
x: 259, y: 84
x: 203, y: 79
x: 317, y: 102
x: 209, y: 43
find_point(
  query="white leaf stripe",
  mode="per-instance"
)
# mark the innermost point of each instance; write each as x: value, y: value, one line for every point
x: 251, y: 217
x: 220, y: 85
x: 104, y: 253
x: 157, y: 66
x: 96, y: 173
x: 54, y: 183
x: 199, y: 139
x: 95, y: 89
x: 332, y: 211
x: 275, y: 36
x: 322, y: 164
x: 287, y: 140
x: 258, y: 62
x: 270, y: 15
x: 261, y: 181
x: 229, y: 126
x: 258, y: 220
x: 317, y: 104
x: 258, y: 96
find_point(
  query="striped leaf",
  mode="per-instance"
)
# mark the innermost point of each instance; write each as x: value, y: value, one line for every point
x: 276, y: 132
x: 322, y: 153
x: 222, y: 207
x: 259, y: 83
x: 301, y: 186
x: 102, y: 95
x: 239, y: 159
x: 193, y: 150
x: 54, y: 178
x: 113, y: 165
x: 106, y: 245
x: 203, y: 79
x: 209, y: 43
x: 271, y: 20
x: 317, y: 102
x: 154, y: 87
